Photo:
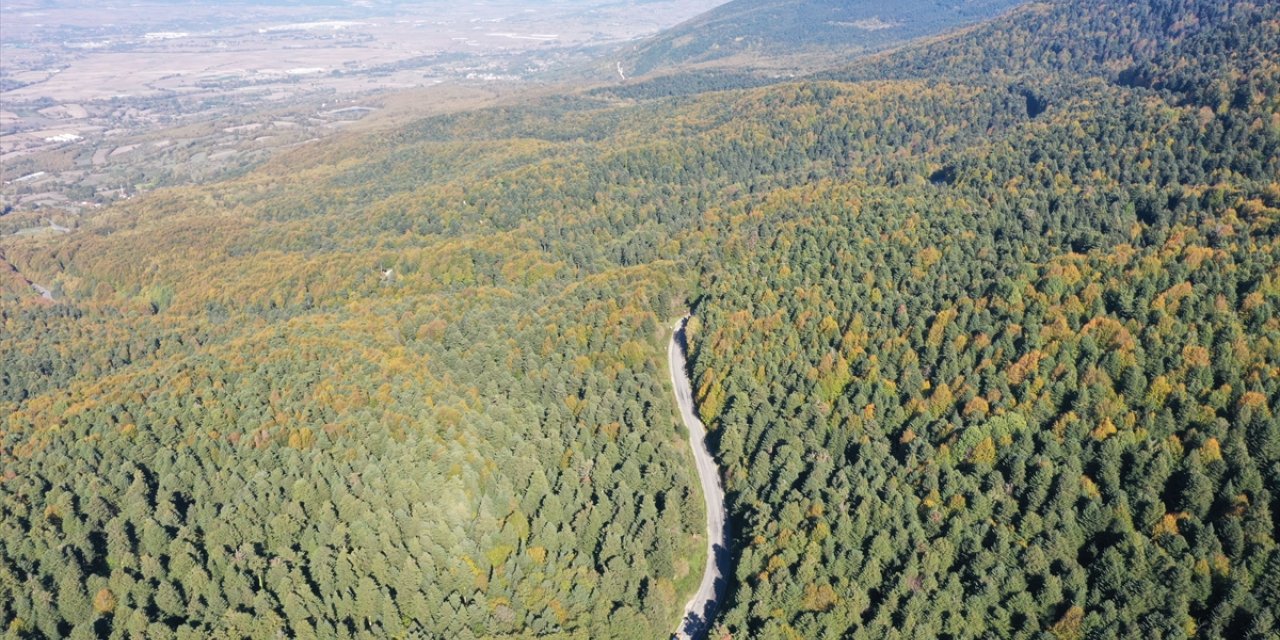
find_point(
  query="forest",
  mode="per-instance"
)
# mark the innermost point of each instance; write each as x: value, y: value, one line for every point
x: 986, y: 331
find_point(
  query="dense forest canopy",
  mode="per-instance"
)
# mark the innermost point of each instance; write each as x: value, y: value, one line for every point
x: 985, y: 330
x: 1025, y: 381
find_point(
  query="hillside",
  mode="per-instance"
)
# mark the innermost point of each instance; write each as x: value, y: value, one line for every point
x: 985, y: 334
x: 765, y: 30
x: 1018, y: 376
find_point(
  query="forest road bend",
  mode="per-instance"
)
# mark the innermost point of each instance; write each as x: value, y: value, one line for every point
x: 696, y: 621
x: 43, y: 291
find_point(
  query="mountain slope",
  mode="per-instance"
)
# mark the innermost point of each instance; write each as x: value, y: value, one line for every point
x: 1024, y: 386
x: 773, y: 28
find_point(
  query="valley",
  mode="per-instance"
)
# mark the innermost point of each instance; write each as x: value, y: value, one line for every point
x: 99, y: 103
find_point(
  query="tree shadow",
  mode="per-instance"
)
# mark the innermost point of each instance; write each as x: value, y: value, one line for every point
x: 696, y: 625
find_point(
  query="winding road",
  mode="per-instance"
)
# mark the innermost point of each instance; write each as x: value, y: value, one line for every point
x: 699, y: 612
x: 43, y: 291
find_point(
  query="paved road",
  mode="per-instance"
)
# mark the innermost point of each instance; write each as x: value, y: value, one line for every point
x: 701, y: 608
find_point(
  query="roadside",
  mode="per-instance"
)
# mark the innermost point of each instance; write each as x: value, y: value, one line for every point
x: 700, y: 611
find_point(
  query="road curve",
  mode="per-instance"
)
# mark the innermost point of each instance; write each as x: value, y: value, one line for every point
x: 43, y: 291
x: 698, y: 613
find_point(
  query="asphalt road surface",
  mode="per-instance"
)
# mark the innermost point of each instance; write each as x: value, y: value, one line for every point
x: 701, y: 608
